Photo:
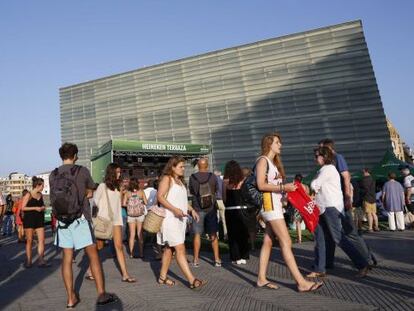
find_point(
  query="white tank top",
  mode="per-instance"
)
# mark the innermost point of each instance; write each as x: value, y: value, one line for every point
x: 274, y: 178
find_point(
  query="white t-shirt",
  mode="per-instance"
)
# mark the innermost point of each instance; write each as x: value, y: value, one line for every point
x: 327, y: 186
x: 151, y: 195
x: 408, y: 183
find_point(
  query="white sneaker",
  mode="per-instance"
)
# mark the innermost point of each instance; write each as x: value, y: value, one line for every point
x: 239, y: 262
x: 243, y: 261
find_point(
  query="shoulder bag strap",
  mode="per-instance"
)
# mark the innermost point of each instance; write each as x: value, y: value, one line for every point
x: 169, y: 187
x: 110, y: 212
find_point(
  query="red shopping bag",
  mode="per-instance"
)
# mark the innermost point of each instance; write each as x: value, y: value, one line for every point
x: 305, y: 205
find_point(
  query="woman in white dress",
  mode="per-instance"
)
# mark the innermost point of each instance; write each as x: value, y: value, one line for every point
x: 108, y: 191
x: 172, y: 195
x: 269, y: 177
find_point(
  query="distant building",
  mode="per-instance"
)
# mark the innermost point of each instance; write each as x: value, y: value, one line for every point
x: 306, y: 86
x: 15, y: 183
x: 408, y: 154
x: 396, y: 141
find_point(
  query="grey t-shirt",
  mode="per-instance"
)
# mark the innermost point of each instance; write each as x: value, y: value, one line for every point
x: 83, y: 182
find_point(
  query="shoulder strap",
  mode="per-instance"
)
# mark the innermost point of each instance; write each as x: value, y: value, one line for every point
x: 110, y: 212
x: 267, y: 164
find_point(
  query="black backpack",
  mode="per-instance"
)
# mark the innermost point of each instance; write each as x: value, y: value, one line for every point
x: 64, y: 195
x: 251, y: 196
x: 206, y: 198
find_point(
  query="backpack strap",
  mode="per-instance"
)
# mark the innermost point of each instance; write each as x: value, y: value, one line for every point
x: 267, y: 165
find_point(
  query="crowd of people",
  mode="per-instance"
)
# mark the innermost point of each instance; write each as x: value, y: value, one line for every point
x: 119, y: 206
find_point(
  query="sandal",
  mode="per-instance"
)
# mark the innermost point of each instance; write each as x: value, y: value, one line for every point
x: 44, y: 264
x: 166, y: 281
x: 315, y: 286
x: 89, y: 278
x: 27, y: 265
x: 268, y: 285
x: 108, y: 298
x: 197, y: 284
x: 129, y: 280
x: 316, y: 275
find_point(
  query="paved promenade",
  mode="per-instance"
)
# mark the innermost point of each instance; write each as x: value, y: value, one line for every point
x: 388, y: 287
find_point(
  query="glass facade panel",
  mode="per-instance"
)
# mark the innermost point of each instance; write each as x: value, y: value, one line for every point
x: 306, y: 86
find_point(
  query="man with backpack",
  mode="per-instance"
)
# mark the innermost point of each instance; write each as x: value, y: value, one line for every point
x: 69, y: 186
x: 203, y: 187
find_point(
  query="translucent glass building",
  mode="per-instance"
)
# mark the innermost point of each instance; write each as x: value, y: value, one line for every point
x: 307, y: 86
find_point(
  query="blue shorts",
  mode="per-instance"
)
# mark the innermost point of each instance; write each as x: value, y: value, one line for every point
x: 77, y: 235
x: 208, y: 222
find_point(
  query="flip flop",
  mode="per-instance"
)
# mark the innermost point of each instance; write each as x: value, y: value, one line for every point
x: 129, y: 280
x: 313, y: 288
x: 268, y: 285
x: 89, y: 278
x: 75, y: 304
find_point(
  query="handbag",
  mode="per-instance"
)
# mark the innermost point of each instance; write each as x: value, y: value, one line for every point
x: 408, y: 218
x: 102, y: 227
x: 155, y: 217
x: 305, y: 206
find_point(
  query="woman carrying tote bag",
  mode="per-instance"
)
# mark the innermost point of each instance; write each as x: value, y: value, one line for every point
x: 108, y: 199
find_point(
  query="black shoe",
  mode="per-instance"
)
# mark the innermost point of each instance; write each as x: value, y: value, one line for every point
x: 106, y: 299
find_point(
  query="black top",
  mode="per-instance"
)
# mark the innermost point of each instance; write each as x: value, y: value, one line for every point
x: 368, y: 189
x: 233, y: 197
x: 35, y: 202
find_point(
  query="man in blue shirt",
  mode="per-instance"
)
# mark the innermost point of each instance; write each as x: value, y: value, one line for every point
x: 347, y: 224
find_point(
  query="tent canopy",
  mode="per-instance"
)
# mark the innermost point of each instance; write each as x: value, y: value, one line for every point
x: 389, y: 163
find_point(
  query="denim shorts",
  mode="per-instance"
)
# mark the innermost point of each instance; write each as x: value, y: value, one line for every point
x: 208, y: 222
x: 77, y: 235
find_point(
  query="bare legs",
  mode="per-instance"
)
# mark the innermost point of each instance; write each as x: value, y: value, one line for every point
x: 135, y: 229
x: 131, y: 241
x: 29, y: 242
x: 119, y: 249
x: 181, y: 261
x: 40, y: 232
x: 196, y: 246
x: 372, y: 221
x: 299, y: 230
x: 214, y: 245
x: 67, y: 272
x: 278, y: 228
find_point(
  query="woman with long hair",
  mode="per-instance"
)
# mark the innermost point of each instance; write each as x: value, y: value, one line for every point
x: 108, y: 196
x: 135, y: 199
x: 33, y: 209
x: 269, y: 176
x: 172, y: 195
x: 236, y: 214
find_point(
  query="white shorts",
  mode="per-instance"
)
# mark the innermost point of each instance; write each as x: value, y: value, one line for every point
x: 135, y: 219
x: 277, y: 213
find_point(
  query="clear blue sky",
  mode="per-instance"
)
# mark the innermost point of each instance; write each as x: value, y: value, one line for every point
x: 48, y: 44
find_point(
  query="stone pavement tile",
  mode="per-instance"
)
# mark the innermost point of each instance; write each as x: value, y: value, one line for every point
x: 388, y: 287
